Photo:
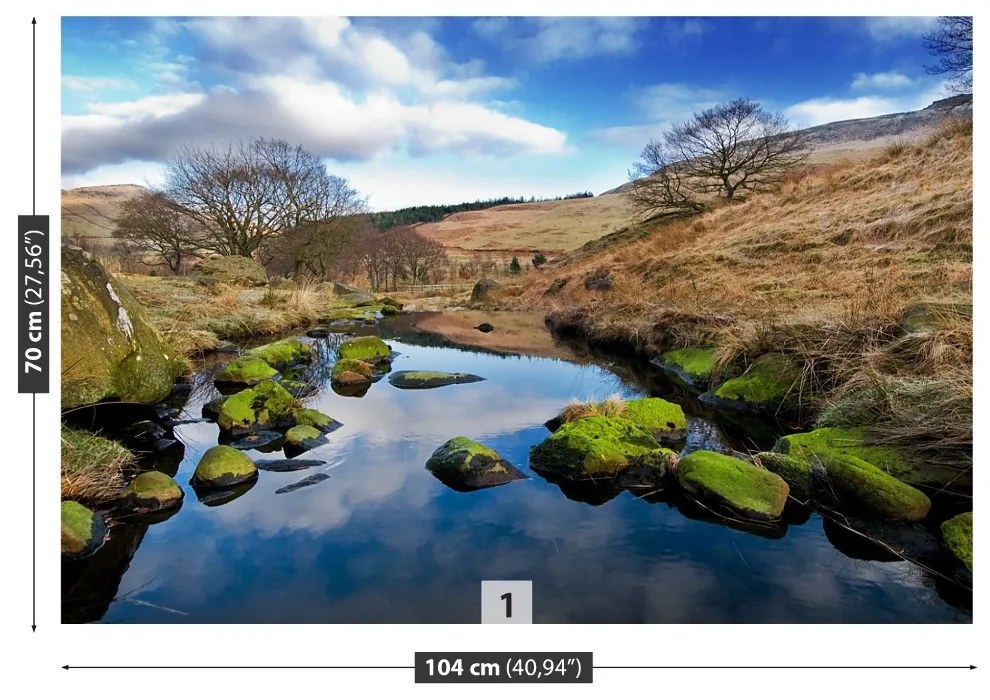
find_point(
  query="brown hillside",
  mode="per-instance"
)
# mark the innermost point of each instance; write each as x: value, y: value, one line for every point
x: 890, y: 230
x: 547, y: 227
x: 91, y: 212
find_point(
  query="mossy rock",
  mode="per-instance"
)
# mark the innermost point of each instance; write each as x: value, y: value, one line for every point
x: 933, y: 315
x: 389, y: 310
x: 854, y: 442
x: 265, y: 405
x: 356, y: 299
x: 722, y: 481
x: 798, y: 473
x: 772, y: 384
x: 83, y: 531
x: 223, y: 466
x: 389, y: 301
x: 299, y: 389
x: 664, y: 419
x: 211, y: 409
x: 694, y: 366
x: 110, y: 350
x: 151, y: 491
x: 369, y: 348
x: 333, y: 316
x: 649, y: 471
x: 315, y: 419
x: 233, y: 269
x: 591, y: 448
x: 351, y: 371
x: 958, y: 535
x: 246, y: 371
x: 416, y: 379
x: 863, y: 487
x: 466, y: 465
x: 284, y: 353
x: 303, y: 438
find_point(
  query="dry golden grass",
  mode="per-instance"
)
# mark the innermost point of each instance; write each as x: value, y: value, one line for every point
x: 612, y: 407
x: 546, y: 227
x: 194, y: 318
x: 92, y: 466
x: 822, y: 269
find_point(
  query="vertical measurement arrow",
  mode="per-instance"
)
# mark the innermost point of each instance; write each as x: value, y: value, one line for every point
x: 34, y: 395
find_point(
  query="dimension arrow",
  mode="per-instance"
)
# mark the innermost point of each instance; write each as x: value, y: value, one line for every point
x: 613, y: 668
x: 34, y: 397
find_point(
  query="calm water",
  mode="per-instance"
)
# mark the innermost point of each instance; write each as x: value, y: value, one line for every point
x: 382, y: 540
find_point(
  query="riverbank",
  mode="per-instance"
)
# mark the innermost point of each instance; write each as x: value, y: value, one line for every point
x: 858, y: 275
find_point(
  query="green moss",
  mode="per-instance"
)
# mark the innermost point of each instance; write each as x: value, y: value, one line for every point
x: 246, y: 370
x: 471, y: 465
x: 771, y: 383
x: 389, y: 310
x: 356, y: 368
x: 795, y: 471
x: 854, y: 443
x: 348, y: 314
x: 958, y: 535
x: 282, y: 353
x: 236, y: 269
x: 110, y: 349
x: 222, y: 465
x: 592, y: 447
x: 655, y: 415
x: 262, y: 406
x: 861, y: 485
x: 417, y: 379
x: 82, y: 529
x: 152, y: 490
x: 389, y: 301
x: 367, y: 348
x: 315, y: 419
x: 299, y: 434
x: 696, y: 363
x: 745, y: 488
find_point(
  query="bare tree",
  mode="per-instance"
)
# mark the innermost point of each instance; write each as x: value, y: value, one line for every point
x: 417, y: 255
x: 245, y: 195
x: 951, y: 41
x: 724, y: 152
x: 153, y: 223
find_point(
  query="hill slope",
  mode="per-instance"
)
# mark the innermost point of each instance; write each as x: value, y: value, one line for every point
x: 91, y: 212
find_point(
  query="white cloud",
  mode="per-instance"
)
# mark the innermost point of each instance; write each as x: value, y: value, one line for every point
x: 890, y: 28
x: 89, y: 83
x: 546, y: 39
x: 889, y: 80
x: 660, y: 104
x: 823, y: 110
x: 340, y: 89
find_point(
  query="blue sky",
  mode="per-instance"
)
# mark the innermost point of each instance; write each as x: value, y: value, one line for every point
x: 428, y: 110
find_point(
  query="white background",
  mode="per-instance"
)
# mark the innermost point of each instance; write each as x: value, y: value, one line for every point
x: 32, y: 661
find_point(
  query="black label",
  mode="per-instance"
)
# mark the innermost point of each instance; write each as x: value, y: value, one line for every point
x: 503, y: 667
x: 33, y: 275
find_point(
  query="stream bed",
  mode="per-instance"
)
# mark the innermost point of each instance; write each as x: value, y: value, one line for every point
x: 372, y: 536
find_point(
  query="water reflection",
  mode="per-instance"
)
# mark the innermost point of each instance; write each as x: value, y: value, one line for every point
x: 374, y: 537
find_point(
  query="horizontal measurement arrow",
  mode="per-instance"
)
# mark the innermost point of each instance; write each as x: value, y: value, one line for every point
x: 239, y: 668
x: 797, y: 668
x: 617, y: 668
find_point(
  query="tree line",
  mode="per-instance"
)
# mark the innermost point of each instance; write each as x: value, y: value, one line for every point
x: 436, y: 212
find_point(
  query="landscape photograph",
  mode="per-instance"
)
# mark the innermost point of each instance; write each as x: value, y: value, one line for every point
x: 671, y: 317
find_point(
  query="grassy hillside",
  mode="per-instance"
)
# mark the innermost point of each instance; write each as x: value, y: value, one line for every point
x: 823, y: 268
x: 91, y: 212
x: 548, y: 227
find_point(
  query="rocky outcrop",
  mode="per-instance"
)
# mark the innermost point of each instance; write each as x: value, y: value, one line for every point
x: 110, y: 350
x: 483, y: 289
